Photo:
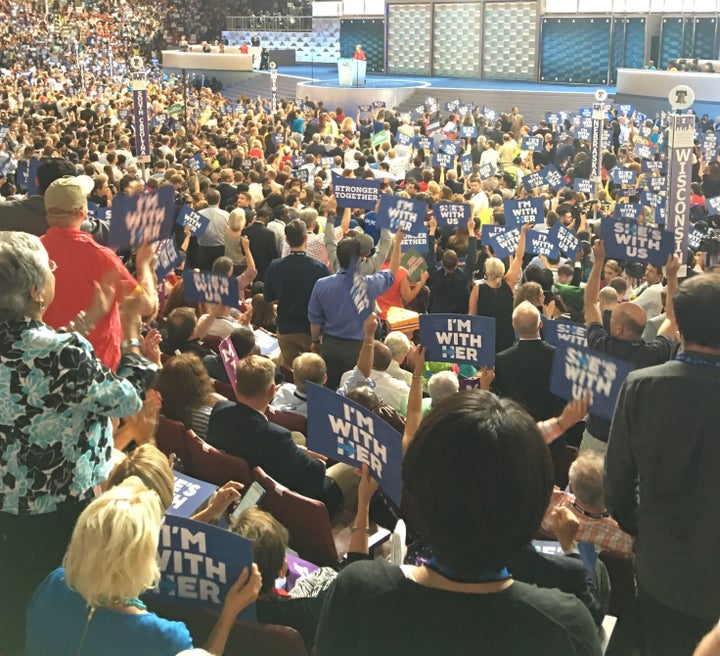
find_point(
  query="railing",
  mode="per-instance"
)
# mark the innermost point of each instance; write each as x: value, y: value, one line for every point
x: 288, y: 23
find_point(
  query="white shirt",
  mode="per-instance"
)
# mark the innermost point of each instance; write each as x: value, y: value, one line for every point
x: 650, y: 299
x: 389, y: 390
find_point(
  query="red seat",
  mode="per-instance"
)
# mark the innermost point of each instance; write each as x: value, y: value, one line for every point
x: 287, y: 373
x: 170, y: 438
x: 245, y: 638
x: 306, y: 519
x: 214, y: 466
x: 290, y: 420
x: 224, y: 389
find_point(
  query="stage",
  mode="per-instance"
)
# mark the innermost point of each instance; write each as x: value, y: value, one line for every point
x: 320, y: 82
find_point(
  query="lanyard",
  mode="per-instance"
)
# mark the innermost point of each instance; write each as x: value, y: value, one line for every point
x: 485, y: 576
x: 698, y: 360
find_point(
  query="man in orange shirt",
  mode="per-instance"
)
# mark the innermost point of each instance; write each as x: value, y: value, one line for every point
x: 82, y: 264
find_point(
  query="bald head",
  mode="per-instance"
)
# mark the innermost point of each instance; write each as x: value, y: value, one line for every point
x: 628, y: 321
x: 526, y: 321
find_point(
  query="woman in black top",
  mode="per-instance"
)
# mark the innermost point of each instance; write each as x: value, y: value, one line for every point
x: 493, y: 297
x: 480, y: 477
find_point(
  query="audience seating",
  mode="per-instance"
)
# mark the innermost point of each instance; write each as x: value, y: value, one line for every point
x: 306, y: 519
x: 245, y: 638
x: 287, y: 373
x: 290, y: 420
x: 224, y: 389
x: 214, y: 466
x: 170, y: 438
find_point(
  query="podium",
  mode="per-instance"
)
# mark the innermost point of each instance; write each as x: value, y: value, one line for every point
x: 351, y: 72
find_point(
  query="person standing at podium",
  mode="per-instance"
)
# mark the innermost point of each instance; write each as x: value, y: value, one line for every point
x: 359, y: 53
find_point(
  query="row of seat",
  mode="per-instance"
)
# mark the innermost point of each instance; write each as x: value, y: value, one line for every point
x: 306, y: 519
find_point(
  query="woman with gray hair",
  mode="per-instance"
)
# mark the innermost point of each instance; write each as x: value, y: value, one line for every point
x: 56, y: 401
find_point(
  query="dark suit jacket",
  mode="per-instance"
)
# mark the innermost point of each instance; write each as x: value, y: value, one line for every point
x: 566, y: 573
x: 263, y: 247
x: 522, y: 373
x: 244, y: 432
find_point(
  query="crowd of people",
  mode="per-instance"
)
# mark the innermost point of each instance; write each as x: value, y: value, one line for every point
x: 93, y: 348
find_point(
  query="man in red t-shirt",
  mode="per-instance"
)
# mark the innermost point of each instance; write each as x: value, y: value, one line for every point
x: 82, y: 264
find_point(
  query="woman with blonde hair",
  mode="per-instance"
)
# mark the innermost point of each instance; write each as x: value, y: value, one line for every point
x: 493, y: 296
x: 91, y: 604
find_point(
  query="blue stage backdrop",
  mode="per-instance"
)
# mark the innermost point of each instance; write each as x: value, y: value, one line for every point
x: 575, y: 50
x: 370, y: 34
x: 628, y: 44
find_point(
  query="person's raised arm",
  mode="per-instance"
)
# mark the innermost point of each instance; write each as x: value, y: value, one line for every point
x: 146, y: 279
x: 330, y: 241
x: 669, y: 326
x: 430, y: 255
x: 408, y: 291
x: 365, y: 359
x: 360, y: 528
x: 242, y: 593
x: 206, y: 321
x: 414, y: 404
x: 471, y: 259
x: 345, y: 221
x: 592, y: 288
x: 513, y: 272
x: 395, y: 252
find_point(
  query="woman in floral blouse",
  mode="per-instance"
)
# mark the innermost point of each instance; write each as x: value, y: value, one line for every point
x: 56, y: 401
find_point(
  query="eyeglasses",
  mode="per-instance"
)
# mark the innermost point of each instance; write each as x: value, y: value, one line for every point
x: 52, y: 265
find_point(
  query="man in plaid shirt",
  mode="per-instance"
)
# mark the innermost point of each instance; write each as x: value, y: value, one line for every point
x: 587, y: 503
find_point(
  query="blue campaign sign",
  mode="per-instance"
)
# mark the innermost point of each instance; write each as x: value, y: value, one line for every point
x: 298, y: 161
x: 346, y: 431
x: 656, y: 183
x: 278, y: 138
x: 552, y: 119
x: 199, y: 563
x: 652, y: 200
x: 356, y: 286
x: 143, y: 218
x: 695, y: 238
x: 403, y: 139
x: 585, y: 112
x: 168, y: 257
x: 92, y: 208
x: 533, y: 181
x: 560, y: 331
x: 443, y: 160
x: 364, y: 109
x: 205, y: 287
x: 197, y: 223
x: 302, y: 174
x: 423, y: 143
x: 460, y: 338
x: 408, y: 214
x: 553, y: 177
x: 584, y: 185
x: 4, y: 132
x: 189, y: 494
x: 32, y: 187
x: 626, y: 109
x: 628, y: 211
x: 468, y: 131
x: 502, y: 240
x: 355, y: 192
x: 466, y: 163
x: 712, y: 205
x: 640, y: 118
x: 486, y: 171
x: 577, y: 371
x: 418, y: 242
x: 644, y: 151
x: 583, y: 134
x: 104, y: 213
x: 630, y: 240
x: 5, y: 162
x: 541, y: 243
x: 567, y: 241
x: 195, y: 163
x: 620, y: 175
x: 452, y: 214
x: 378, y: 104
x: 452, y: 105
x: 450, y: 147
x: 535, y: 144
x: 523, y: 210
x: 433, y: 126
